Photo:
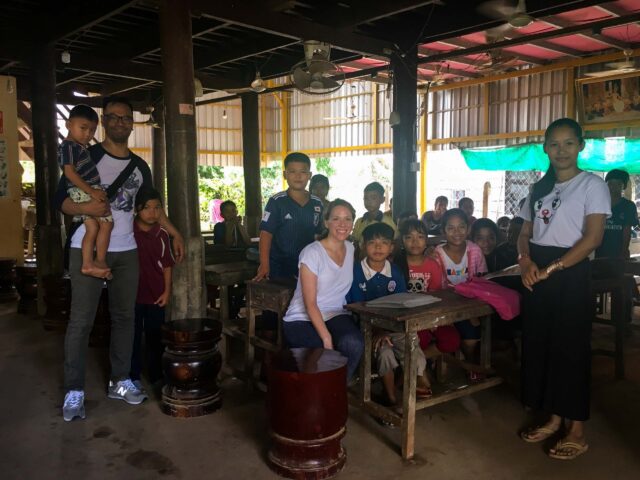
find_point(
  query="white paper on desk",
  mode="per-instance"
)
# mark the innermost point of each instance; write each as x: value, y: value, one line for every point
x: 512, y: 271
x: 403, y: 300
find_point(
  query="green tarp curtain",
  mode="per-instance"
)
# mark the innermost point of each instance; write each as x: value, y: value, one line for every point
x: 599, y: 155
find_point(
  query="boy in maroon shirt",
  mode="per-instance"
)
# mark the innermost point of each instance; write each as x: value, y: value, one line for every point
x: 154, y: 284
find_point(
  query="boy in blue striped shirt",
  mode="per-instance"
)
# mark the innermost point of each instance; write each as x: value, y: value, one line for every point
x: 83, y: 185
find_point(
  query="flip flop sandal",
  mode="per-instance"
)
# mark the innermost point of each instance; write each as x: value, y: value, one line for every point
x: 567, y: 450
x: 537, y: 434
x: 423, y: 393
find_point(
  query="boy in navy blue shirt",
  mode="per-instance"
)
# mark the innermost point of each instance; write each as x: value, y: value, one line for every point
x: 290, y: 222
x: 375, y: 277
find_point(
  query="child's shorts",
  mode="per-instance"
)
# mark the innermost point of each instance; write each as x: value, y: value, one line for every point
x: 389, y: 358
x: 468, y: 331
x: 446, y: 337
x: 78, y: 196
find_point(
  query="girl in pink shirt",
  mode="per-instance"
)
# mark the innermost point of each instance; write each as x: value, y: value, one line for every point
x: 461, y: 259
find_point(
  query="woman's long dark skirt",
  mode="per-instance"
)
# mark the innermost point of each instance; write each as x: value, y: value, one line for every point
x: 556, y: 339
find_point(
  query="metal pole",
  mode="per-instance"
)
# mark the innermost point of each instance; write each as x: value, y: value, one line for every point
x: 159, y: 148
x: 188, y: 300
x: 251, y: 162
x: 45, y: 147
x: 405, y: 132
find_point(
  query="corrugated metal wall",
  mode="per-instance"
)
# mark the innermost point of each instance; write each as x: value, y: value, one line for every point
x: 520, y: 104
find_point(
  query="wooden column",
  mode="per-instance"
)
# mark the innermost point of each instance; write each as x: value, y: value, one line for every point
x: 405, y: 133
x: 45, y: 147
x: 159, y: 149
x: 188, y: 300
x: 251, y: 162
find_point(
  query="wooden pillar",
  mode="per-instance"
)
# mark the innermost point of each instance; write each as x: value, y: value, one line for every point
x: 159, y: 148
x: 405, y: 73
x: 188, y: 299
x: 45, y: 147
x: 251, y: 162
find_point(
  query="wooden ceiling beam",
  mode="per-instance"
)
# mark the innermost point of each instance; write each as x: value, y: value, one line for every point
x: 205, y: 59
x: 365, y: 11
x: 253, y: 15
x: 466, y: 44
x: 634, y: 17
x: 593, y: 34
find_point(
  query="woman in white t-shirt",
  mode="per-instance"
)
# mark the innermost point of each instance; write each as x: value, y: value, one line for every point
x: 316, y: 317
x: 564, y: 217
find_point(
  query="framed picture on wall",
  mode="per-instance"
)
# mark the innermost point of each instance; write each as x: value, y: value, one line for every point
x: 609, y: 99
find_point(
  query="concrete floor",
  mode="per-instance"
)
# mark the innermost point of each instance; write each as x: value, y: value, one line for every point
x: 472, y: 438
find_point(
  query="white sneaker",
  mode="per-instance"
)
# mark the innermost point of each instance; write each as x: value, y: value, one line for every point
x: 73, y: 405
x: 127, y: 391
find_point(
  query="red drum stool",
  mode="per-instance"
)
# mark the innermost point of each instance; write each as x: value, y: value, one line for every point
x: 307, y: 407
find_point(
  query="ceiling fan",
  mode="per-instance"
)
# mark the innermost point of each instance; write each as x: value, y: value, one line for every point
x: 316, y: 74
x: 516, y: 17
x: 627, y: 65
x: 256, y: 86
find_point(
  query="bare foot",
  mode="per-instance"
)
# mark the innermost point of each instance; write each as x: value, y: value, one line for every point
x: 97, y: 272
x: 101, y: 264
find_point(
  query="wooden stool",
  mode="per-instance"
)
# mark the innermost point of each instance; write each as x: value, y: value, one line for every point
x: 191, y: 363
x: 307, y: 408
x: 270, y: 295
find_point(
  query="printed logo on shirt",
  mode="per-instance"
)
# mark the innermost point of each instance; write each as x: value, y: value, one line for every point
x: 288, y: 216
x: 316, y: 219
x: 546, y: 214
x: 457, y: 272
x: 363, y: 286
x: 126, y: 194
x: 418, y: 282
x: 317, y: 208
x: 392, y: 286
x: 265, y: 216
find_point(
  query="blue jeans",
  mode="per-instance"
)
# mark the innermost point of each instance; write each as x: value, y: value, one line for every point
x: 346, y: 337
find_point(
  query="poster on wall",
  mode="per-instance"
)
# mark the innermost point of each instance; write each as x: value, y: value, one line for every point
x: 4, y: 170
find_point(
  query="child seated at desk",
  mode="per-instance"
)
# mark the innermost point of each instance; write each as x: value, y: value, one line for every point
x: 424, y: 274
x: 461, y: 259
x: 375, y: 277
x: 230, y: 232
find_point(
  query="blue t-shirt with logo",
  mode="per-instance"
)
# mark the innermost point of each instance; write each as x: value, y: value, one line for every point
x: 368, y: 285
x: 293, y: 227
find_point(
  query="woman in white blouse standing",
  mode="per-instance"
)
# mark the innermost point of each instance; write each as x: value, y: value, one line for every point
x: 316, y: 317
x: 564, y: 218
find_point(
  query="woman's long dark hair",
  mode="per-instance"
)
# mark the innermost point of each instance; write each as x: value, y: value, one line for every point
x: 544, y: 186
x: 408, y: 226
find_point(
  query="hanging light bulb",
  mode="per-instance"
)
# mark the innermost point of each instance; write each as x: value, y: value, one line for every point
x: 224, y: 114
x: 65, y: 57
x: 10, y: 88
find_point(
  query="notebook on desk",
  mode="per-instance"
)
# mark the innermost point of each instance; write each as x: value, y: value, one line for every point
x: 403, y: 300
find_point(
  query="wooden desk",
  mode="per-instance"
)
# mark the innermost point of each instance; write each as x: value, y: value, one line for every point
x: 227, y: 275
x: 271, y: 295
x: 453, y: 308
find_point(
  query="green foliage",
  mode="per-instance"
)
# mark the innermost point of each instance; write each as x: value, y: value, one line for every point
x: 324, y: 166
x: 227, y: 183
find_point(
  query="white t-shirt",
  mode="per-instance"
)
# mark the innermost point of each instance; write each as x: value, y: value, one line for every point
x: 122, y: 207
x: 560, y: 216
x: 334, y: 283
x: 456, y: 272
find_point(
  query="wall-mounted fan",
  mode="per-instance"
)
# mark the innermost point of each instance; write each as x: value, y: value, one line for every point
x: 627, y: 65
x: 316, y: 74
x: 516, y: 17
x: 497, y: 62
x: 149, y: 122
x: 256, y: 86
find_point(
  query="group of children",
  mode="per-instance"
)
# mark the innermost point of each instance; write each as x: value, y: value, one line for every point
x: 154, y: 249
x: 392, y: 259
